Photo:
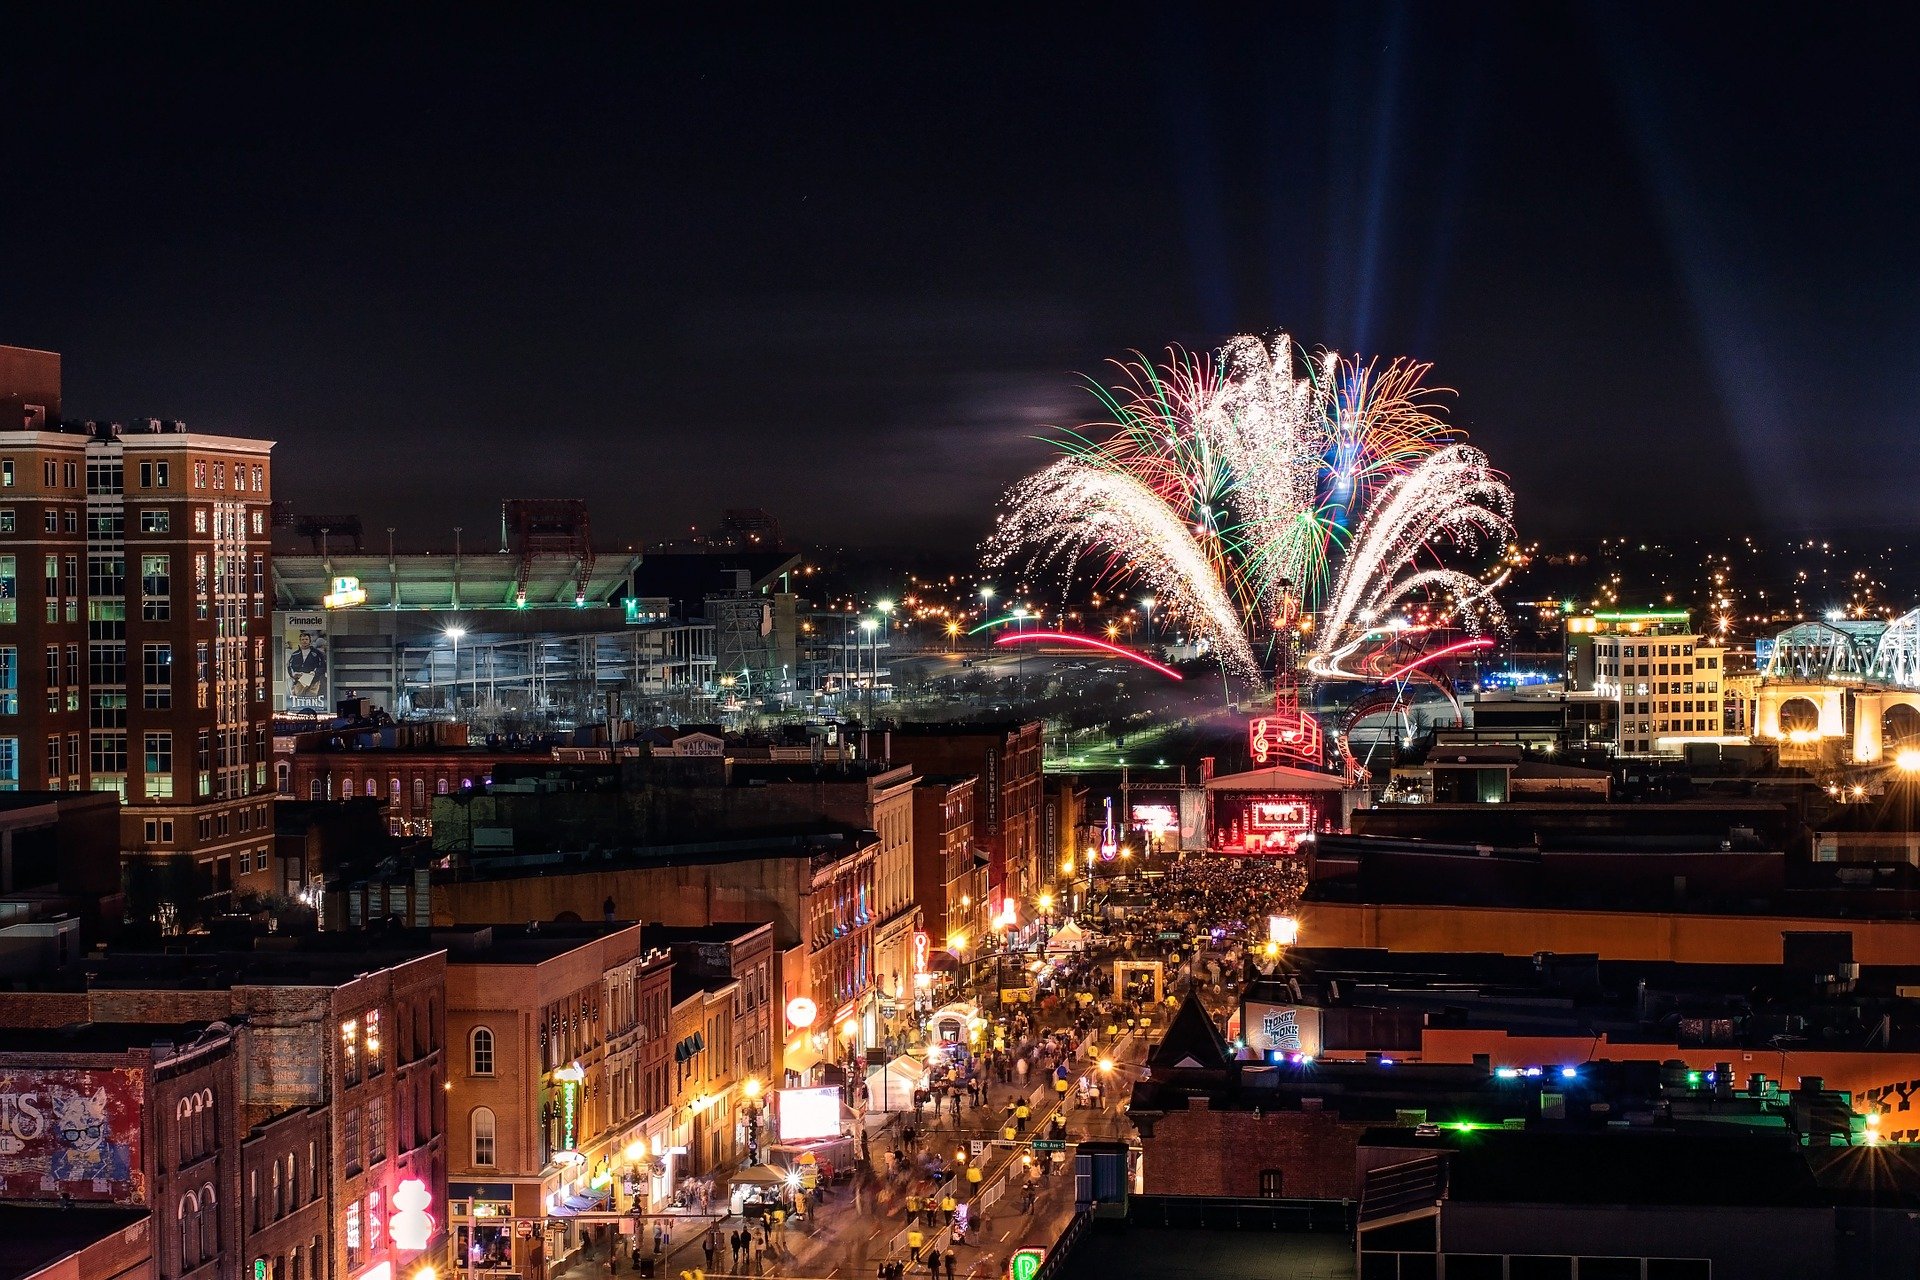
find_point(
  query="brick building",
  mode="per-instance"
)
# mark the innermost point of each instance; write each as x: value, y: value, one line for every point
x: 744, y: 954
x: 404, y: 765
x: 134, y: 636
x: 706, y: 1074
x: 340, y: 1082
x: 557, y: 1097
x: 949, y: 872
x: 1006, y: 817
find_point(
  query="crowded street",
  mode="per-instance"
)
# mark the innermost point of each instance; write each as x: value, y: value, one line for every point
x: 962, y: 1145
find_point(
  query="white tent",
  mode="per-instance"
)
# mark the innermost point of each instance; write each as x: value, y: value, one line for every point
x: 1068, y: 937
x: 891, y: 1087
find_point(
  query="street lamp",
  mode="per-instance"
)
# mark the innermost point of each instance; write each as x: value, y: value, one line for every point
x: 752, y: 1111
x: 986, y: 598
x: 454, y: 633
x: 1148, y: 604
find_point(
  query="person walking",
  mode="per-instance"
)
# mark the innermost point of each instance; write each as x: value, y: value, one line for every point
x: 709, y: 1244
x: 950, y: 1261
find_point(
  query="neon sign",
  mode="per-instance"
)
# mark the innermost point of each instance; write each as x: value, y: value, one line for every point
x: 921, y: 949
x: 569, y: 1078
x: 1284, y: 735
x: 411, y: 1226
x: 1025, y: 1263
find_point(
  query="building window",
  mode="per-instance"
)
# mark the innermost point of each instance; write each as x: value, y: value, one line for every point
x: 481, y: 1052
x: 483, y: 1130
x: 1270, y: 1184
x: 104, y: 475
x: 156, y: 676
x: 6, y: 520
x: 9, y: 680
x: 156, y: 522
x: 350, y: 1052
x: 9, y: 589
x: 9, y: 764
x: 158, y: 760
x: 376, y: 1131
x: 6, y: 473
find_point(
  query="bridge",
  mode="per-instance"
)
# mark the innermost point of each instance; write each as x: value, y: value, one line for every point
x: 1848, y: 680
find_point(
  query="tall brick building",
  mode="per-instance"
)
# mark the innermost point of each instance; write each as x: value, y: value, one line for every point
x: 1006, y: 808
x: 134, y: 627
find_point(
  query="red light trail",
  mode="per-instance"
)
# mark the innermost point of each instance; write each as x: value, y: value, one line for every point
x: 1462, y: 646
x: 1089, y: 642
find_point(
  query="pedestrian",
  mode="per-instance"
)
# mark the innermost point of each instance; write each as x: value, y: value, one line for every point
x: 950, y: 1260
x: 710, y: 1243
x: 933, y: 1264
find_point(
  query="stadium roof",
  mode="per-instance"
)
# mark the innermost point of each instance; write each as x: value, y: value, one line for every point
x: 487, y: 580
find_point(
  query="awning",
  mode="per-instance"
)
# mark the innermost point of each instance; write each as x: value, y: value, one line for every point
x: 583, y: 1202
x: 759, y: 1175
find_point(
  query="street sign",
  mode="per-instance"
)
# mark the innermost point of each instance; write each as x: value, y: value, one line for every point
x: 1049, y: 1144
x: 977, y: 1145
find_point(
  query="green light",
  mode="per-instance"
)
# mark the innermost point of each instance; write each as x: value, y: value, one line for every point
x: 996, y: 622
x: 1025, y: 1263
x: 1466, y: 1126
x: 1643, y: 615
x: 1693, y: 1079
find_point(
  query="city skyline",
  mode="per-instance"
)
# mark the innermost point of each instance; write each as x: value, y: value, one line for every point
x: 736, y: 265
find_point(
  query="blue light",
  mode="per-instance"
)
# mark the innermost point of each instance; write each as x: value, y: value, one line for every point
x: 1386, y: 1062
x: 1507, y: 1073
x: 1568, y: 1073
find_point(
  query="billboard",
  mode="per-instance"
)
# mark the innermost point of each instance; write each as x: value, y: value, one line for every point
x: 304, y: 674
x: 74, y: 1134
x: 808, y: 1113
x: 1281, y: 1028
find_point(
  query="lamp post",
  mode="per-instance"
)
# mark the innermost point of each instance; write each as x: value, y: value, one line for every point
x: 867, y: 626
x: 752, y: 1113
x: 454, y: 633
x: 1147, y: 604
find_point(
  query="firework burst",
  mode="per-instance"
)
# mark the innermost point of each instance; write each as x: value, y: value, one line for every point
x: 1247, y: 487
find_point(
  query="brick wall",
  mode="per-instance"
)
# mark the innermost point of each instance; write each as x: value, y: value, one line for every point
x: 1201, y: 1152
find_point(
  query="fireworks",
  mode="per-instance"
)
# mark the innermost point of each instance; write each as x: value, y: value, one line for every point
x: 1244, y: 493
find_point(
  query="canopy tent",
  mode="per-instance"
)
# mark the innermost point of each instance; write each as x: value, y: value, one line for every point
x: 891, y: 1087
x: 1068, y: 937
x: 760, y: 1175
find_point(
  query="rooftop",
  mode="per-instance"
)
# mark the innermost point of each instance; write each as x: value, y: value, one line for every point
x: 523, y: 944
x: 1615, y: 1167
x: 667, y: 935
x: 107, y: 1037
x: 1394, y: 996
x: 276, y: 960
x: 35, y: 1237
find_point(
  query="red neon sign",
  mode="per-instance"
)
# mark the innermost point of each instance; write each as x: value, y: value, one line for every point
x: 1284, y: 735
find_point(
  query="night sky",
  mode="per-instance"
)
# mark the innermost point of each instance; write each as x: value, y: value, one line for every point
x: 847, y: 270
